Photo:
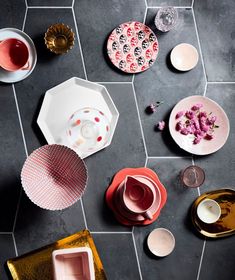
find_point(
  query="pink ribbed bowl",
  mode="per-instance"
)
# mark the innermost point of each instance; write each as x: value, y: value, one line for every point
x: 54, y: 177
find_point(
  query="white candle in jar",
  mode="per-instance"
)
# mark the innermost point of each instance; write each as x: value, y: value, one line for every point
x: 208, y: 211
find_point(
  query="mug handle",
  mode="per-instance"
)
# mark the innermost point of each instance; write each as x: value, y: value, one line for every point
x: 26, y: 67
x: 148, y: 215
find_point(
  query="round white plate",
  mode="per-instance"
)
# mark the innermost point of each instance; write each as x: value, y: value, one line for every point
x: 205, y: 147
x: 16, y: 76
x: 184, y: 57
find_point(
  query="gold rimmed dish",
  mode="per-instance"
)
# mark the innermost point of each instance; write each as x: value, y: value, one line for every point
x: 38, y: 264
x: 225, y: 225
x: 59, y: 38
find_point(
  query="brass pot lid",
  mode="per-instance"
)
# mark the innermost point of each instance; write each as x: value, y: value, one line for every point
x: 225, y: 226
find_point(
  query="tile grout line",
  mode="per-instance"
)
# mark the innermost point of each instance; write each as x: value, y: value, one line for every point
x: 14, y: 242
x: 136, y: 254
x: 176, y: 7
x: 201, y: 259
x: 85, y: 72
x: 211, y: 82
x: 170, y: 157
x: 128, y: 83
x: 204, y: 93
x: 49, y: 7
x: 83, y: 213
x: 199, y: 45
x: 5, y: 232
x: 192, y: 4
x: 26, y: 3
x: 73, y: 3
x: 141, y: 128
x: 79, y: 43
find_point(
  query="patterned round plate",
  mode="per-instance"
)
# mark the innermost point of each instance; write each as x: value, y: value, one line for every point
x: 54, y: 177
x: 132, y: 47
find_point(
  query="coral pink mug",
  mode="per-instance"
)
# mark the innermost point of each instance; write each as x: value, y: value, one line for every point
x: 14, y: 55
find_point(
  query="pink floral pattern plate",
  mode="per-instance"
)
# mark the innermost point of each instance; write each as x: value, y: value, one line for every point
x: 132, y: 47
x: 205, y: 147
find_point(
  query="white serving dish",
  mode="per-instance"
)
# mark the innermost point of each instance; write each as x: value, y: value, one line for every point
x: 19, y: 75
x: 73, y: 264
x: 63, y: 100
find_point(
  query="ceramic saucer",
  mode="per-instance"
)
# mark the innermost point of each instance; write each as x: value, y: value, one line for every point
x: 118, y: 178
x: 16, y: 76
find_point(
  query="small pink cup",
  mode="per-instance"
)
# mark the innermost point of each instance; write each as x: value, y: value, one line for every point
x: 139, y: 195
x: 14, y: 55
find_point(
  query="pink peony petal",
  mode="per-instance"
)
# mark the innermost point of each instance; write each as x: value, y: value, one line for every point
x: 184, y: 131
x: 197, y: 106
x: 208, y: 137
x: 197, y: 140
x: 190, y: 115
x: 161, y: 125
x: 179, y: 114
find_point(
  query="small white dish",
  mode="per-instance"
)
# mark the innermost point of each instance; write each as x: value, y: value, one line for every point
x: 73, y: 264
x: 184, y: 57
x: 19, y: 75
x: 62, y: 101
x: 209, y: 211
x: 161, y: 242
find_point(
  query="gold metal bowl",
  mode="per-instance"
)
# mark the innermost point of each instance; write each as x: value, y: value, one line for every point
x: 59, y: 38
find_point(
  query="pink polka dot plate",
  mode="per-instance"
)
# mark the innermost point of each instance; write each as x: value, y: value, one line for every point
x: 54, y: 177
x: 132, y: 47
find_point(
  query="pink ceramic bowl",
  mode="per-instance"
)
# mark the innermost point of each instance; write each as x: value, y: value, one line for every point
x: 54, y: 177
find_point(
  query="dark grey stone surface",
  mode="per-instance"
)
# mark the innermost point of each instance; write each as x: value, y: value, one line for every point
x: 118, y: 256
x: 183, y: 263
x: 218, y: 260
x: 126, y: 150
x: 11, y: 159
x: 51, y: 69
x: 12, y: 13
x: 37, y: 227
x: 169, y: 3
x: 163, y: 83
x: 50, y: 3
x: 219, y: 167
x: 7, y: 251
x: 95, y: 23
x: 216, y: 25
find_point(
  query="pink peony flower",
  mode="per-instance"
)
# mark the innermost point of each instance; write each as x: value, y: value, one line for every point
x: 153, y: 108
x: 197, y: 140
x: 179, y: 126
x: 179, y: 114
x: 202, y: 114
x: 204, y: 127
x: 190, y: 115
x: 184, y: 131
x: 197, y: 107
x: 208, y: 137
x: 161, y: 125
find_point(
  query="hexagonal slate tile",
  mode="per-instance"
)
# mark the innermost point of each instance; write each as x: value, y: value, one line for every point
x: 62, y: 101
x: 163, y: 83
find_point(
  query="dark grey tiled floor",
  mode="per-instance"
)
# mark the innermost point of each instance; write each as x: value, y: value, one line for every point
x: 12, y: 13
x: 169, y: 3
x: 118, y: 256
x: 51, y: 70
x: 11, y: 159
x: 94, y: 26
x: 122, y: 153
x: 163, y: 83
x: 7, y: 251
x: 50, y: 2
x: 220, y: 166
x: 184, y: 261
x: 218, y: 261
x: 36, y: 227
x: 216, y: 27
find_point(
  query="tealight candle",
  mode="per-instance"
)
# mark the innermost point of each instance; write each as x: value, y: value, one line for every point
x: 208, y: 211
